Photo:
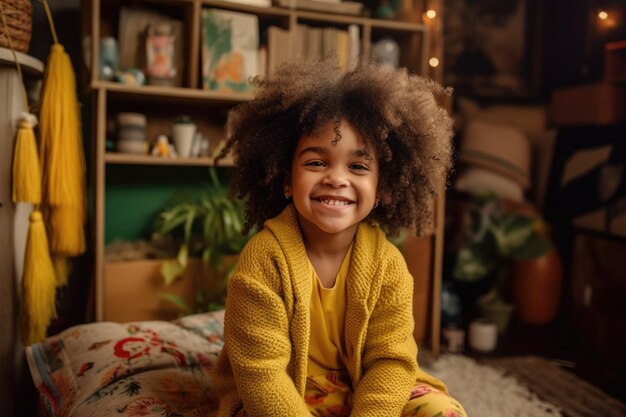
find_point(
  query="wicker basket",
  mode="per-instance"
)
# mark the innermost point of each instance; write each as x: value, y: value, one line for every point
x: 18, y: 14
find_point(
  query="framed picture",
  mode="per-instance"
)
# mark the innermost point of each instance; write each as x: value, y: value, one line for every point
x: 492, y: 47
x: 230, y: 45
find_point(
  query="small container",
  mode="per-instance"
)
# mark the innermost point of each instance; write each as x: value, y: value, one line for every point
x: 131, y: 133
x: 183, y: 134
x: 454, y: 338
x: 483, y: 336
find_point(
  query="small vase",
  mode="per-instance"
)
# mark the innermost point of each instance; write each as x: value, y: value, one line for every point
x: 537, y: 288
x: 183, y: 134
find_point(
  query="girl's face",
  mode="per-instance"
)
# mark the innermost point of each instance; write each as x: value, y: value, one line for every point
x: 333, y: 185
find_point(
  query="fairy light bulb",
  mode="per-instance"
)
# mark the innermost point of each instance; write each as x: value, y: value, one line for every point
x: 603, y: 15
x: 431, y: 14
x: 433, y: 62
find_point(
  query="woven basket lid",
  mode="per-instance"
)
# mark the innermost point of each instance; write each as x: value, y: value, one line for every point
x: 500, y: 148
x: 18, y: 16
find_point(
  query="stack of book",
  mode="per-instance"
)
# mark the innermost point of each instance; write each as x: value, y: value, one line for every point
x: 307, y: 42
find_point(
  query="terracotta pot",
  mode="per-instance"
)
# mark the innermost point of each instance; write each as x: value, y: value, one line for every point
x: 537, y: 288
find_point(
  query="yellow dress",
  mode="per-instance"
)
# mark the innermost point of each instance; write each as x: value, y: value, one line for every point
x: 328, y: 387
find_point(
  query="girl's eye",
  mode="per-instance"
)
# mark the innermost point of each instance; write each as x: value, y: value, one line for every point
x: 314, y: 164
x: 360, y: 167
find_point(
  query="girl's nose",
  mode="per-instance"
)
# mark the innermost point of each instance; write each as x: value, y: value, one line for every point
x: 335, y: 178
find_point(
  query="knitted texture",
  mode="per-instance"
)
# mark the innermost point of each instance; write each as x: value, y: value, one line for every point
x: 263, y: 364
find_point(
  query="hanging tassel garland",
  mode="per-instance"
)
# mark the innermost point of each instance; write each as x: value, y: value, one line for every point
x: 37, y: 308
x: 62, y: 156
x: 38, y: 284
x: 26, y: 172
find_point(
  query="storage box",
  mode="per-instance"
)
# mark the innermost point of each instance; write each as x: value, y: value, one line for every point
x: 132, y: 288
x: 599, y: 103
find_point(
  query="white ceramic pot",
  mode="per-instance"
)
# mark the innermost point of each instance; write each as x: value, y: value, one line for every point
x: 183, y: 134
x: 483, y: 336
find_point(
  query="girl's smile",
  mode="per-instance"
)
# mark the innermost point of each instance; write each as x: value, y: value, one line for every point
x: 333, y: 183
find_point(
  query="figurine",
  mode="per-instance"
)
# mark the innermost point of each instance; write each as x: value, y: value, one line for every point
x: 164, y: 148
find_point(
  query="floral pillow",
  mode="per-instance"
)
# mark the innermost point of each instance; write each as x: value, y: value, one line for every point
x: 131, y: 369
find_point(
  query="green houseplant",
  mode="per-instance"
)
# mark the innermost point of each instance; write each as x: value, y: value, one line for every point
x: 208, y: 226
x: 495, y: 239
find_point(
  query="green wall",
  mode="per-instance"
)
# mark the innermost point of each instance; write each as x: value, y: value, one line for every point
x: 136, y: 194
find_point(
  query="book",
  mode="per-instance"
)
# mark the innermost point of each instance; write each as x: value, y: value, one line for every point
x: 354, y: 46
x: 281, y: 47
x: 315, y: 43
x: 230, y: 44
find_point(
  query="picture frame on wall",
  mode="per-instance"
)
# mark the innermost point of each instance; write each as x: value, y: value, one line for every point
x: 493, y: 48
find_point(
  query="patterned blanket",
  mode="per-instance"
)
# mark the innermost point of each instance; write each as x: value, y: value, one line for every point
x: 150, y: 368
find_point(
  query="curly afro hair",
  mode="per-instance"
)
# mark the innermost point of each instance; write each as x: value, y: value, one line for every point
x: 396, y: 113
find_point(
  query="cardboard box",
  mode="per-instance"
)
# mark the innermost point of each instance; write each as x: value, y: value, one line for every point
x: 132, y: 288
x: 599, y: 103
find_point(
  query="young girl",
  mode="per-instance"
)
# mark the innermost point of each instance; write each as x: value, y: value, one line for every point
x: 319, y: 311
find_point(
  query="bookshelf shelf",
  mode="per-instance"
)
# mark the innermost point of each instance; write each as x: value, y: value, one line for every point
x: 129, y: 159
x: 180, y: 94
x: 239, y: 7
x: 396, y: 26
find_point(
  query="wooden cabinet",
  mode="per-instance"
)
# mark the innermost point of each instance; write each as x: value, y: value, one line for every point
x: 209, y: 108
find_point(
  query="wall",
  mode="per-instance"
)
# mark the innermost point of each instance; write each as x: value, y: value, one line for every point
x: 573, y: 42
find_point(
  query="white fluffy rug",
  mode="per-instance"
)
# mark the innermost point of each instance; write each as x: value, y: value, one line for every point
x: 485, y: 391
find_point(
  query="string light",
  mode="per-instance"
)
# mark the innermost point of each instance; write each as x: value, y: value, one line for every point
x: 431, y: 14
x: 433, y: 62
x: 603, y: 15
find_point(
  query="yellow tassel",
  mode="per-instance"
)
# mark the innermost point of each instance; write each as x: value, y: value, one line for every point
x: 26, y: 172
x: 38, y: 284
x: 61, y: 270
x: 67, y: 238
x: 62, y: 156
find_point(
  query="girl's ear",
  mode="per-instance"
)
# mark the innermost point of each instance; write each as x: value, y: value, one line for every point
x: 287, y: 188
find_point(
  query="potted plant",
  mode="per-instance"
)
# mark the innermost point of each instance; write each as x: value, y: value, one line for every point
x: 496, y: 239
x: 183, y: 133
x: 209, y: 226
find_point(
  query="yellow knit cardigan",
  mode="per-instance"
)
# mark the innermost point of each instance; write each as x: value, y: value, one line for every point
x: 263, y: 364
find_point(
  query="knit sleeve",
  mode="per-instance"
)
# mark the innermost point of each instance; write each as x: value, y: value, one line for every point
x: 389, y: 358
x: 256, y: 336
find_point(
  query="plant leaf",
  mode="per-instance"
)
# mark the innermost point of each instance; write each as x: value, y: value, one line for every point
x: 512, y: 233
x: 170, y: 270
x: 183, y: 255
x: 535, y: 247
x: 189, y: 218
x: 177, y: 300
x: 472, y: 264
